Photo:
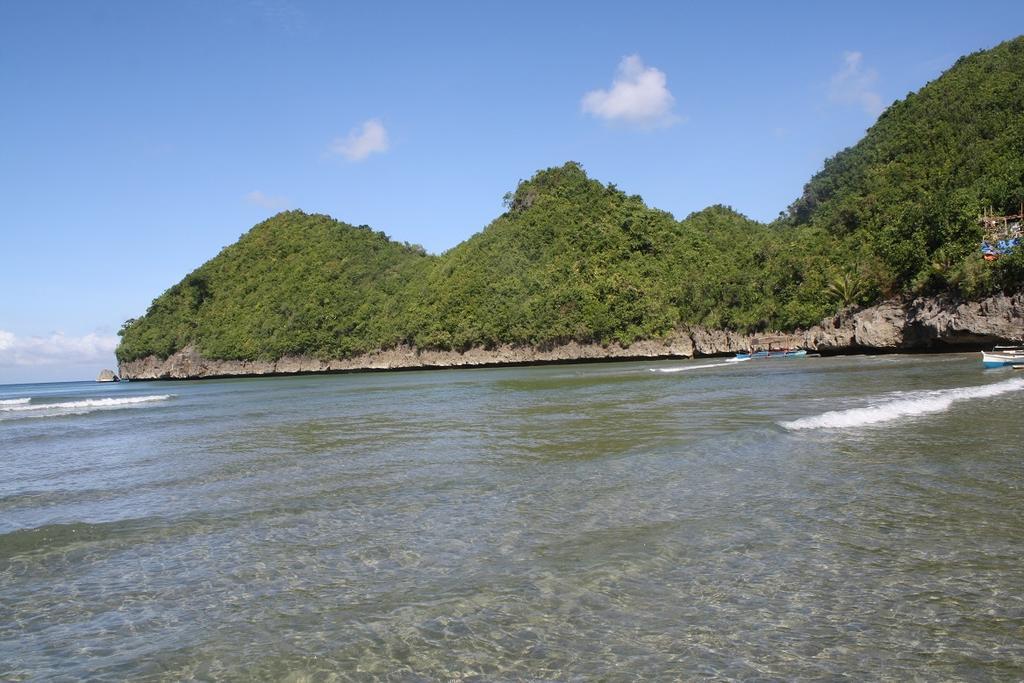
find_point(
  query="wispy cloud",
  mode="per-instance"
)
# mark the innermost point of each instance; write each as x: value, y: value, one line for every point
x: 281, y: 13
x: 361, y: 142
x: 266, y: 201
x: 639, y: 95
x: 55, y: 349
x: 854, y: 84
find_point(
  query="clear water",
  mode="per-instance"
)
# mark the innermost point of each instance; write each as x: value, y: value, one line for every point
x: 782, y: 519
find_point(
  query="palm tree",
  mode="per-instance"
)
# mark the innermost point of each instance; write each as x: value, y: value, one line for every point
x: 846, y: 288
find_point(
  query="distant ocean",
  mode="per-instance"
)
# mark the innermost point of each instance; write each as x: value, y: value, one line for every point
x: 777, y: 519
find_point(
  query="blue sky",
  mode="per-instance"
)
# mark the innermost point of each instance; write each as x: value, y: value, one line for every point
x: 138, y: 139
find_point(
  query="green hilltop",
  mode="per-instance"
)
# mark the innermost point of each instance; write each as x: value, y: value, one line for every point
x: 573, y: 259
x: 911, y: 190
x: 296, y: 283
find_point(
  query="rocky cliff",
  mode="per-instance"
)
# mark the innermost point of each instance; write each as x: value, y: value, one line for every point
x: 898, y: 325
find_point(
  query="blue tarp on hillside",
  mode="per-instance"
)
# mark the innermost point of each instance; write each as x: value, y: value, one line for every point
x: 1000, y: 246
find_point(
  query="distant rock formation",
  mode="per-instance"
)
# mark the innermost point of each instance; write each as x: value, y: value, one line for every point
x: 107, y: 376
x: 899, y: 325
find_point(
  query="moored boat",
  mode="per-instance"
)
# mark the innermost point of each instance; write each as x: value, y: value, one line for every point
x: 1001, y: 356
x: 780, y: 353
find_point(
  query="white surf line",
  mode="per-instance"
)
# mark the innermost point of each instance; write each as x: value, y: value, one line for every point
x: 685, y: 368
x: 918, y: 403
x: 13, y: 401
x: 85, y: 403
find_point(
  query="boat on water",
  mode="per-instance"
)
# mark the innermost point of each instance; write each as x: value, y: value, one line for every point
x: 780, y: 353
x: 1001, y: 356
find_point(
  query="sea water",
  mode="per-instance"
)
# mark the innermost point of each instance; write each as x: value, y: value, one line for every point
x: 776, y: 519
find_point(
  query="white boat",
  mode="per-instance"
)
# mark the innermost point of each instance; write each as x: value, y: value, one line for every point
x: 1003, y: 355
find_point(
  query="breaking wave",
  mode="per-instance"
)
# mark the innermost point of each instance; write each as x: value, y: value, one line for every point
x: 13, y: 401
x: 25, y: 408
x: 905, y: 405
x: 697, y: 367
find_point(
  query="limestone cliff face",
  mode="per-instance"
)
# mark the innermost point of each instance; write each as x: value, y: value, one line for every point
x: 890, y: 326
x: 921, y: 323
x: 190, y: 364
x: 1000, y: 317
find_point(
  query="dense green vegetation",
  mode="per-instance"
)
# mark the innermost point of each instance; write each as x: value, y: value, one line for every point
x: 295, y: 283
x: 911, y: 190
x: 574, y: 259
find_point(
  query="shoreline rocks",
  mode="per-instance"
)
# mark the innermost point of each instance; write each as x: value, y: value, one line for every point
x: 927, y: 323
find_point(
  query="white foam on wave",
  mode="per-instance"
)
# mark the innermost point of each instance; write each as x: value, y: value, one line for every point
x: 905, y: 405
x: 684, y: 368
x: 84, y: 405
x: 13, y: 401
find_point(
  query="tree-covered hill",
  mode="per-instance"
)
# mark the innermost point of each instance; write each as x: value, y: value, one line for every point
x: 296, y: 283
x: 570, y: 259
x: 573, y: 259
x: 911, y: 190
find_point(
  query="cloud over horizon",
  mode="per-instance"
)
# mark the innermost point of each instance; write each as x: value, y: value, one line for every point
x: 56, y: 349
x: 266, y: 201
x: 360, y: 143
x: 853, y: 84
x: 639, y: 95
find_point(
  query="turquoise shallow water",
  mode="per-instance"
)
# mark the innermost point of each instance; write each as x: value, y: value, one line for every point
x: 781, y: 519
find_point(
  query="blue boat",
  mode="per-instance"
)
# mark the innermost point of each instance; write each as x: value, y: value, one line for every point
x: 781, y: 353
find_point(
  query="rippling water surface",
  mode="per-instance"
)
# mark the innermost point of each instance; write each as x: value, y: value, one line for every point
x: 780, y: 519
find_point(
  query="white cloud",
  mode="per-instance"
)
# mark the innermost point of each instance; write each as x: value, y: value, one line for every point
x: 362, y: 142
x: 639, y: 95
x: 853, y: 84
x: 56, y: 349
x: 266, y: 201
